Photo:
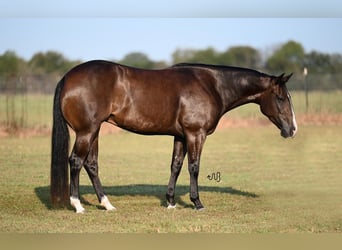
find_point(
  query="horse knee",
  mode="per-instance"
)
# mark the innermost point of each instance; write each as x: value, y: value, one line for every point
x: 194, y: 169
x: 75, y: 163
x: 176, y: 165
x: 91, y: 167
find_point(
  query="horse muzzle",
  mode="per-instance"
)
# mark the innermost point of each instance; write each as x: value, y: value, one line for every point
x: 288, y: 132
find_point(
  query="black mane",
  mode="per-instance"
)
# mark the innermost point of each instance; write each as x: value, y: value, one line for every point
x: 221, y: 67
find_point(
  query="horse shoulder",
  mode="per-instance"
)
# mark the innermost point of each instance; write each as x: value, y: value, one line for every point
x: 200, y: 103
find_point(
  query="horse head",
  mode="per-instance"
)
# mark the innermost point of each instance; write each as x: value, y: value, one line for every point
x: 276, y: 104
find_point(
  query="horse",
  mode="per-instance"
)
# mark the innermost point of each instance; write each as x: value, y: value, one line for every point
x: 185, y: 101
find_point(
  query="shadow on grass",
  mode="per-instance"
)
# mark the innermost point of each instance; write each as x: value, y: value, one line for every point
x: 158, y: 191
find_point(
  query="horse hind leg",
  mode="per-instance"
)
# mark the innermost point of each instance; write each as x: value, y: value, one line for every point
x: 76, y: 162
x: 91, y: 166
x: 77, y: 158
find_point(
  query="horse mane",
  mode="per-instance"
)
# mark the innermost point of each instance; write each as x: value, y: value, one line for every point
x: 223, y: 68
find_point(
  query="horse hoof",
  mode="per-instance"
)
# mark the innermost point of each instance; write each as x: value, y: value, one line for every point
x: 200, y: 208
x: 171, y: 206
x: 111, y: 208
x: 75, y: 202
x: 80, y: 211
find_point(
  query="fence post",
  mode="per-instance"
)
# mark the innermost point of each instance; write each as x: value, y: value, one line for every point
x: 306, y: 87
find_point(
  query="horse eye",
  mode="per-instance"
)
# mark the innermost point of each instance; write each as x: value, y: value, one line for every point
x: 280, y: 98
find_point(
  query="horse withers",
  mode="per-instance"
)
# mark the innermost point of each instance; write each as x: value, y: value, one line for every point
x: 185, y: 101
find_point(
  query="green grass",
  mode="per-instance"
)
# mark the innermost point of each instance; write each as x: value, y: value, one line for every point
x: 268, y: 184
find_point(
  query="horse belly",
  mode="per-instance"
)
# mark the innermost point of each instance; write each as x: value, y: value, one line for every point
x: 148, y: 117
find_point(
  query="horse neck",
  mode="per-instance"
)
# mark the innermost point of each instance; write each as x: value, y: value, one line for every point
x: 240, y: 89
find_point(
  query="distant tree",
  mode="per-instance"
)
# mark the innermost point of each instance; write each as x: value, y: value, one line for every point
x: 242, y: 56
x: 319, y: 62
x: 289, y: 57
x: 11, y: 64
x: 183, y: 55
x: 50, y: 62
x: 44, y: 69
x: 324, y: 70
x: 137, y: 59
x: 12, y: 67
x: 208, y: 55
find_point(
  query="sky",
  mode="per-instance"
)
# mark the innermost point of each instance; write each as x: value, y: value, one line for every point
x: 110, y: 29
x: 170, y: 8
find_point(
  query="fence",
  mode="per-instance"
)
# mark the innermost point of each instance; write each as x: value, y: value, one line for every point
x: 25, y: 101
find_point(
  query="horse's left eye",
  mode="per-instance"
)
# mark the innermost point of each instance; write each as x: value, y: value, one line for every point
x: 280, y: 98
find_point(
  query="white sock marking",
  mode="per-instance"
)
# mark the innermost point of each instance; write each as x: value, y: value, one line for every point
x: 293, y: 117
x: 76, y: 203
x: 171, y: 206
x: 105, y: 202
x: 294, y: 124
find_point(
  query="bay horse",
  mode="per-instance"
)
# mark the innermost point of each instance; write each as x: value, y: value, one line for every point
x: 185, y: 101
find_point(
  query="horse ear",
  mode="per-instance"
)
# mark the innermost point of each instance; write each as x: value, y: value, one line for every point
x: 286, y: 78
x: 281, y: 76
x: 282, y: 79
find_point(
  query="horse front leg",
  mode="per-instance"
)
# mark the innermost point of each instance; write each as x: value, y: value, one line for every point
x: 179, y: 152
x: 195, y: 143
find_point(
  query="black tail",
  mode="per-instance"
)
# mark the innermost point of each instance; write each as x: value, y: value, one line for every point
x: 59, y: 182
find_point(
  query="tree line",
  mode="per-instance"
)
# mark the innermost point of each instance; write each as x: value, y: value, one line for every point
x: 44, y: 69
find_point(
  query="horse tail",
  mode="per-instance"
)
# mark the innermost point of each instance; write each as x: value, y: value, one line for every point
x: 59, y: 176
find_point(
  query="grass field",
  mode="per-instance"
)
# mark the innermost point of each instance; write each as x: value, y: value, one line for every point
x: 268, y: 184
